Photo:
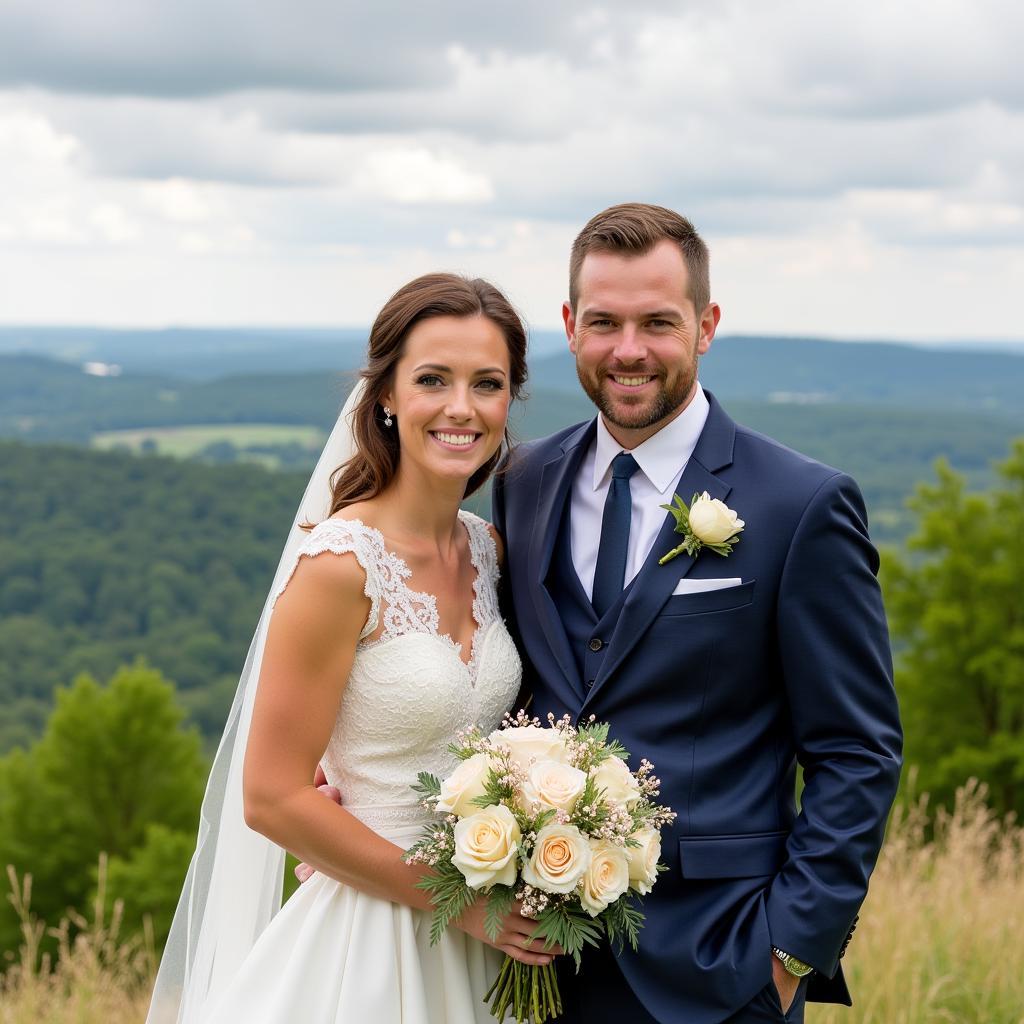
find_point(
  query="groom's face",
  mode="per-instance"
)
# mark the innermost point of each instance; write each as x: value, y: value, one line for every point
x: 637, y: 338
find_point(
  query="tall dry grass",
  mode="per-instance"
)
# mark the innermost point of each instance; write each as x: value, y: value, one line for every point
x: 96, y: 976
x: 941, y: 937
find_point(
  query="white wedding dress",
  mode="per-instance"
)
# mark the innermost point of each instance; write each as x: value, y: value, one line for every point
x: 334, y: 955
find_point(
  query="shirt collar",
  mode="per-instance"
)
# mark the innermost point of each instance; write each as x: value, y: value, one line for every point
x: 662, y: 456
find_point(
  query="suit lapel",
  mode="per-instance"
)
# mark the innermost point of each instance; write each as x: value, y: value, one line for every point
x: 555, y: 486
x: 654, y: 584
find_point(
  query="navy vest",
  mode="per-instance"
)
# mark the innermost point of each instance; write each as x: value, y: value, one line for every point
x: 587, y: 636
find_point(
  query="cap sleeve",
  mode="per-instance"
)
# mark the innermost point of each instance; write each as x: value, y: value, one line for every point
x: 342, y: 537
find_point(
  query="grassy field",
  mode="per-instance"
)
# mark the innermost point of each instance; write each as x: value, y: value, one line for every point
x: 938, y: 942
x: 186, y: 441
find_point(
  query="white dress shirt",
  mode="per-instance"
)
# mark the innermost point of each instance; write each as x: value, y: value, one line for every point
x: 662, y: 459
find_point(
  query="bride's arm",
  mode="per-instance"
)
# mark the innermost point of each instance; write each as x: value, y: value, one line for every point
x: 310, y: 646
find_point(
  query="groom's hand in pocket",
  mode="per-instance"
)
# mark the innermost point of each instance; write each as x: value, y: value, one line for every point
x: 304, y: 871
x: 786, y: 984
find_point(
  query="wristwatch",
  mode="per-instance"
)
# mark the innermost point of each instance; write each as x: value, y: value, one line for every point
x: 795, y: 967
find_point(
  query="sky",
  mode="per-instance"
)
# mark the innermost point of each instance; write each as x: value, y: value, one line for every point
x: 857, y: 169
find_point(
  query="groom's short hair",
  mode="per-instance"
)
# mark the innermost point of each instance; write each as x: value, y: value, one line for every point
x: 634, y: 229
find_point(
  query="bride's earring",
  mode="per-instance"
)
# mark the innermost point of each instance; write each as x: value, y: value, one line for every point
x: 388, y: 421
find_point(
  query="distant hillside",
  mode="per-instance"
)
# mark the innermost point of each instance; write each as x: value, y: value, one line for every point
x: 801, y: 372
x: 887, y: 447
x: 45, y: 400
x: 978, y: 377
x: 197, y: 353
x: 106, y: 557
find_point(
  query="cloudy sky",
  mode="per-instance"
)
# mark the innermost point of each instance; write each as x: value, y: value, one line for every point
x: 858, y: 169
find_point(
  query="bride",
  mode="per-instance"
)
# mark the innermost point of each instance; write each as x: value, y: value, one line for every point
x: 381, y: 638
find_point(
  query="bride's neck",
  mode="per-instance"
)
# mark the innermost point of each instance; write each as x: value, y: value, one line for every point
x: 421, y: 509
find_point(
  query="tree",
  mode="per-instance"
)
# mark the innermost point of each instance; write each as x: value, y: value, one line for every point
x: 957, y: 611
x: 112, y: 762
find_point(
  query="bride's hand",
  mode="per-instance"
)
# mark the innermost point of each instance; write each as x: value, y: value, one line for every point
x: 514, y: 936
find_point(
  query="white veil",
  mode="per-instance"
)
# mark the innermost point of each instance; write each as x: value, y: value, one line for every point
x: 233, y: 885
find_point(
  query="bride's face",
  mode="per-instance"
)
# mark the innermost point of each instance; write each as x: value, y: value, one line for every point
x: 450, y: 397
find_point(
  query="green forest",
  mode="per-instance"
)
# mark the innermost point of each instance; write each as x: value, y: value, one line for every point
x: 131, y: 586
x: 131, y: 582
x: 107, y: 557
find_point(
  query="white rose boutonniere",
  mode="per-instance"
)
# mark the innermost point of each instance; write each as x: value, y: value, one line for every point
x: 705, y: 523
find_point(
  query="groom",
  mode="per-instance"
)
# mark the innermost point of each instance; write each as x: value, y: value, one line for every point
x: 724, y: 671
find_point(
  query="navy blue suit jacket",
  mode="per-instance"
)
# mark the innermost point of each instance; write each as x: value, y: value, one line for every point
x: 726, y: 691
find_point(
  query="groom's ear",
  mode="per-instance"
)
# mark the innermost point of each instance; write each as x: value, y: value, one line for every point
x: 708, y: 325
x: 569, y: 319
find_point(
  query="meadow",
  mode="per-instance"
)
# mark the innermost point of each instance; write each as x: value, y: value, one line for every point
x: 938, y: 940
x: 184, y: 442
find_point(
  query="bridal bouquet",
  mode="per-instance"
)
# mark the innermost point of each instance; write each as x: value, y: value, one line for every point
x: 550, y: 816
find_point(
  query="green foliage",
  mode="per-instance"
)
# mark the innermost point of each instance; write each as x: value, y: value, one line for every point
x: 148, y: 879
x: 449, y: 894
x: 427, y: 785
x: 957, y: 610
x: 601, y: 747
x: 571, y: 928
x: 106, y: 557
x: 623, y: 921
x: 500, y: 899
x: 112, y: 762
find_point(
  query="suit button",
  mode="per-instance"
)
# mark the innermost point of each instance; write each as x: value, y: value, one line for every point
x: 590, y: 683
x: 596, y: 644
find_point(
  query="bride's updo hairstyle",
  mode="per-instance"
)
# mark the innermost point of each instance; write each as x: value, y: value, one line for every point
x: 375, y: 463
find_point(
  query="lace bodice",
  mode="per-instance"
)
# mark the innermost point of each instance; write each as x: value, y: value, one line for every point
x: 409, y: 690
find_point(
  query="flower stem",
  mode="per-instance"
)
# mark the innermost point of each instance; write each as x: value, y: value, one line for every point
x: 531, y: 993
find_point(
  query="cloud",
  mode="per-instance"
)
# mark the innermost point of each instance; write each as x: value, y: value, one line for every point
x: 210, y: 142
x: 192, y: 48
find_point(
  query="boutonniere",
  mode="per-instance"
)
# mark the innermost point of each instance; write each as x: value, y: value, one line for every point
x: 706, y: 523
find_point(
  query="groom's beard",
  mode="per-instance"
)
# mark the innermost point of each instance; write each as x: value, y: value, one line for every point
x: 670, y: 396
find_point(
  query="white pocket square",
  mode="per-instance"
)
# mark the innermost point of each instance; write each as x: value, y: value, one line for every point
x: 686, y: 586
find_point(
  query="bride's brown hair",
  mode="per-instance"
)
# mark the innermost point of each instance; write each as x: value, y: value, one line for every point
x: 375, y: 463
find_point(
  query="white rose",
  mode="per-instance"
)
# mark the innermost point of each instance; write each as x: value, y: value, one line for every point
x: 560, y: 858
x: 485, y: 847
x: 606, y: 879
x: 553, y: 784
x: 618, y: 782
x: 464, y: 785
x: 531, y: 741
x: 643, y: 859
x: 712, y: 521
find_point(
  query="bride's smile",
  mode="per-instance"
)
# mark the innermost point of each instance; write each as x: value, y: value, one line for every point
x: 450, y: 398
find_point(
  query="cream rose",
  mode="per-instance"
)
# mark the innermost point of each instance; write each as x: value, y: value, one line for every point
x: 485, y: 847
x: 560, y: 858
x: 712, y: 521
x: 643, y: 859
x: 553, y: 784
x: 531, y: 742
x: 606, y: 879
x: 618, y: 782
x: 464, y: 785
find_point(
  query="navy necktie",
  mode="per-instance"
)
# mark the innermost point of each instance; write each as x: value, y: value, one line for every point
x: 611, y: 554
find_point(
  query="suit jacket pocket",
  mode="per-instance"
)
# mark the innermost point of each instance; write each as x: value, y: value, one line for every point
x: 740, y: 856
x: 710, y: 600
